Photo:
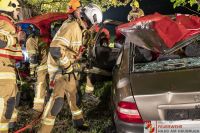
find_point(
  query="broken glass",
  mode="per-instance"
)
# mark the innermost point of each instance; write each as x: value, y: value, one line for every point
x: 168, y: 65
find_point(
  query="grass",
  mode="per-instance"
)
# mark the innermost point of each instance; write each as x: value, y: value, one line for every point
x: 99, y: 117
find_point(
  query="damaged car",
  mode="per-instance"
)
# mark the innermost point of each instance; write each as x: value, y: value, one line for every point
x: 157, y: 73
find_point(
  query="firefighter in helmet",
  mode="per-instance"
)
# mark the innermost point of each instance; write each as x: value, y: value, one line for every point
x: 37, y: 51
x: 136, y: 12
x: 61, y: 64
x: 10, y: 53
x: 88, y: 96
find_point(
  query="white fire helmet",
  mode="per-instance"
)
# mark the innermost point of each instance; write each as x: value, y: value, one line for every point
x: 9, y: 5
x: 93, y: 13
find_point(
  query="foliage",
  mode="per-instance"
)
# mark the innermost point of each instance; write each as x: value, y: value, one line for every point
x: 42, y: 6
x: 192, y: 3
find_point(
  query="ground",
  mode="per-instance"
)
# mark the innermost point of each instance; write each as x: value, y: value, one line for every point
x: 99, y: 117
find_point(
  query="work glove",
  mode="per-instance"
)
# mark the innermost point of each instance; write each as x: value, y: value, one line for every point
x: 73, y: 70
x: 75, y: 67
x: 78, y: 67
x: 33, y: 74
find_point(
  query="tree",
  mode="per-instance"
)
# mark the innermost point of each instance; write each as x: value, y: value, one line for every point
x: 184, y: 3
x: 42, y: 6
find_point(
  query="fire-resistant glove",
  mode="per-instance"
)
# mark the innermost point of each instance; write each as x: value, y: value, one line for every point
x: 75, y: 67
x: 79, y: 67
x: 33, y: 73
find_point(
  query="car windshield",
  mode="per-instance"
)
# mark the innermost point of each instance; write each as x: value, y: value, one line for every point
x: 171, y: 64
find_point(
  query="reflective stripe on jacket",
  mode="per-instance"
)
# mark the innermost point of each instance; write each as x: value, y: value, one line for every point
x: 7, y: 75
x: 69, y: 40
x: 12, y: 50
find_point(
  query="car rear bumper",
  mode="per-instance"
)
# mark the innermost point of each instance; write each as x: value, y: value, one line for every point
x: 124, y: 127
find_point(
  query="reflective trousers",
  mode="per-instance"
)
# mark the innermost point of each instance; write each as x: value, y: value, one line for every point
x: 40, y: 89
x: 8, y: 93
x: 64, y: 85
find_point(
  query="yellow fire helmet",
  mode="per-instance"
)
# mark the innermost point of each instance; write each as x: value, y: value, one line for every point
x: 73, y: 5
x: 9, y: 5
x: 135, y: 3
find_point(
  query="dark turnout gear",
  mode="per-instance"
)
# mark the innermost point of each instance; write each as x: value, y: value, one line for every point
x: 63, y: 49
x: 37, y: 52
x: 10, y: 52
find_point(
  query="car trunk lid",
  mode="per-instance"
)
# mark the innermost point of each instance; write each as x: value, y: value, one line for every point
x: 159, y: 94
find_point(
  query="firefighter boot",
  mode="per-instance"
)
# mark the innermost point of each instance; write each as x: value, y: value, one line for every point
x: 80, y: 125
x: 89, y: 98
x: 34, y: 114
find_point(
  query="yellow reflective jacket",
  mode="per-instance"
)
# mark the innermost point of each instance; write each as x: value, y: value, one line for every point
x: 8, y: 35
x: 68, y: 39
x: 133, y: 14
x: 35, y: 46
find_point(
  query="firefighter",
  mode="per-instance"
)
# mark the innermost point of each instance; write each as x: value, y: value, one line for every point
x: 37, y: 51
x: 10, y: 52
x: 61, y: 65
x: 136, y: 12
x: 89, y: 98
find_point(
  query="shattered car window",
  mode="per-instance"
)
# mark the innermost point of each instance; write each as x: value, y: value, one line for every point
x: 187, y: 57
x: 171, y: 64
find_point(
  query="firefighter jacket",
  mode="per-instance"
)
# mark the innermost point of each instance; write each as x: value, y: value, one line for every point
x: 37, y: 51
x: 65, y: 46
x: 133, y: 14
x: 9, y: 47
x: 10, y: 52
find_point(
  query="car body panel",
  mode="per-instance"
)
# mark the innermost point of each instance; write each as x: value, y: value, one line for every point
x: 148, y: 32
x: 43, y: 23
x: 161, y: 82
x: 124, y: 127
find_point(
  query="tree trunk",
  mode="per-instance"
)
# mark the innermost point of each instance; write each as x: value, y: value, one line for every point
x: 25, y: 11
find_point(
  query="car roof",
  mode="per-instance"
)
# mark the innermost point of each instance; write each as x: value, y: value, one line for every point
x: 43, y: 22
x: 177, y: 32
x: 45, y: 18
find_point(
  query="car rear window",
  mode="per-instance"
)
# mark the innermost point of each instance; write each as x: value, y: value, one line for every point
x: 186, y: 58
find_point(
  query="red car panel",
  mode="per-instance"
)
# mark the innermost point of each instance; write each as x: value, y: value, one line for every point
x: 43, y: 22
x: 170, y: 30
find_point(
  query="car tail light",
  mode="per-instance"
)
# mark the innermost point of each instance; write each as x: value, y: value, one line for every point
x: 128, y: 112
